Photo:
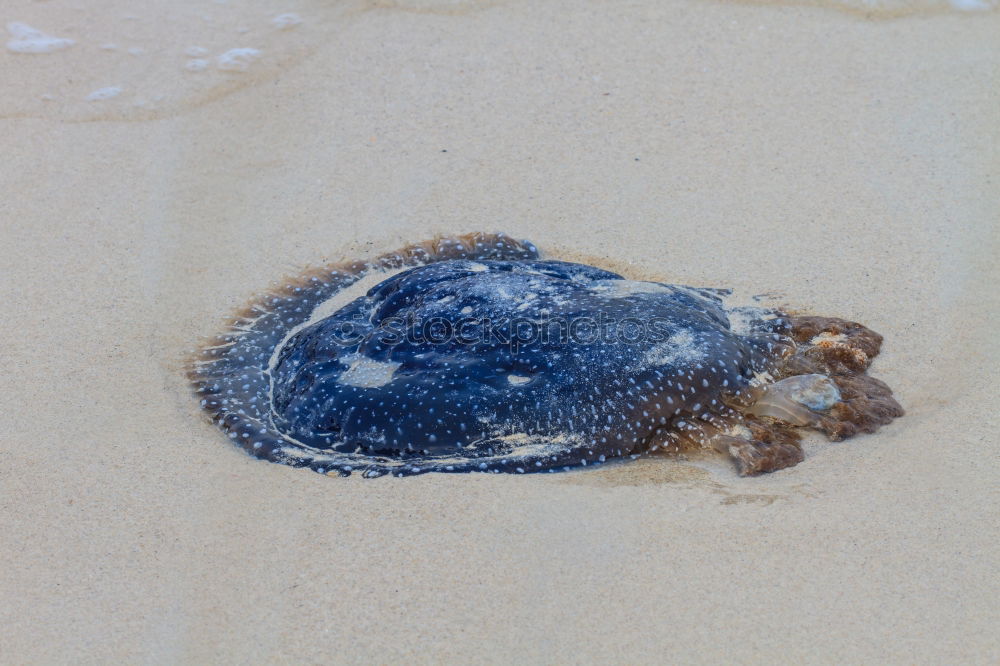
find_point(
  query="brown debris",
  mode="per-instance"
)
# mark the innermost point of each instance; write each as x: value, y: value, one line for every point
x: 843, y: 350
x: 771, y: 446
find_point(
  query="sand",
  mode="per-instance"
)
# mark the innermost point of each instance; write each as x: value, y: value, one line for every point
x: 845, y: 161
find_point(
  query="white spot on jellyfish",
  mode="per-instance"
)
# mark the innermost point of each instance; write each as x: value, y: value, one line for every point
x: 517, y: 380
x: 681, y: 347
x: 364, y: 372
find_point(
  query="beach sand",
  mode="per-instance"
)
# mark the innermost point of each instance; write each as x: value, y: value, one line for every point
x: 844, y: 161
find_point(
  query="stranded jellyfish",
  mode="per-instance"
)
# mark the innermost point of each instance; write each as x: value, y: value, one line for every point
x: 474, y: 354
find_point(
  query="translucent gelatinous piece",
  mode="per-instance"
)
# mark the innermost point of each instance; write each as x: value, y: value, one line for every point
x: 797, y: 399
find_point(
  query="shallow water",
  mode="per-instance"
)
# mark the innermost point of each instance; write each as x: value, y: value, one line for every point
x: 160, y: 60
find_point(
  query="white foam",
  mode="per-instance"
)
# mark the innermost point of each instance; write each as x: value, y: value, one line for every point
x: 626, y: 288
x: 681, y: 347
x: 740, y: 322
x: 196, y: 51
x: 237, y: 60
x: 196, y: 65
x: 286, y: 21
x: 104, y: 93
x: 911, y: 7
x: 31, y: 40
x: 973, y: 5
x: 744, y: 313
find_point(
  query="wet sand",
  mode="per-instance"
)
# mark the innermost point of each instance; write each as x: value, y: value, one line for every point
x: 846, y: 165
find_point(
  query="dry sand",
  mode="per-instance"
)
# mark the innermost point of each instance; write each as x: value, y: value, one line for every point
x: 847, y: 162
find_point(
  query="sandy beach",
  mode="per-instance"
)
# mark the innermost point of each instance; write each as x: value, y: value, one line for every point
x: 177, y: 158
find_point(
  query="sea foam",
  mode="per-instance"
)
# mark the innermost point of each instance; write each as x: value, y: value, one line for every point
x: 26, y: 39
